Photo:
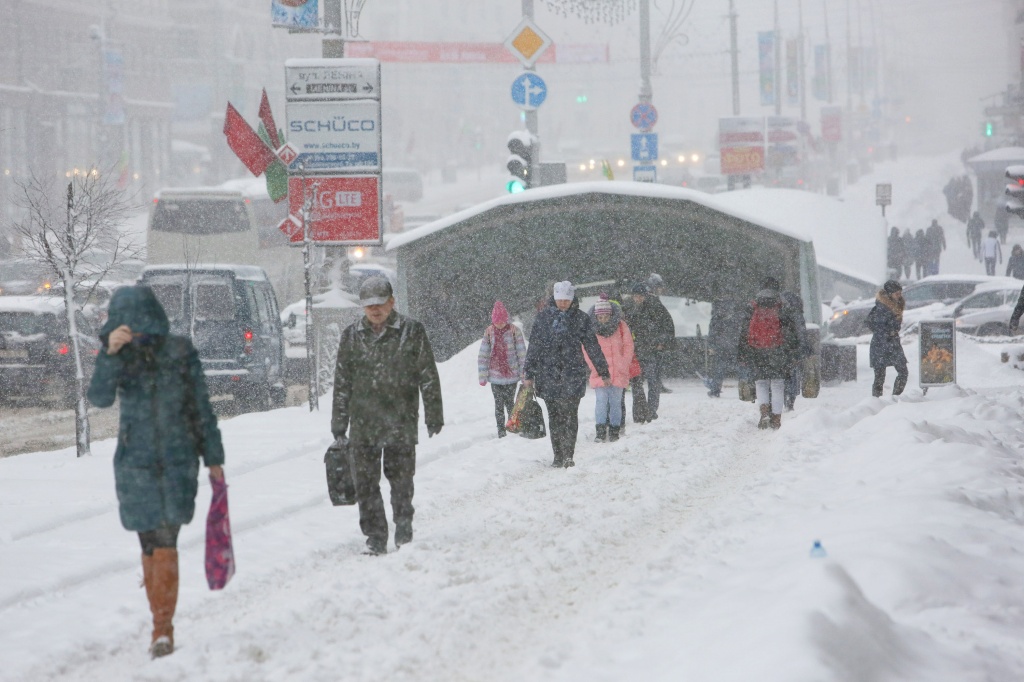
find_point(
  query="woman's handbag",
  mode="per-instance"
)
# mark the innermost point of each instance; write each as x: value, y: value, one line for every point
x: 514, y: 423
x: 220, y: 554
x: 531, y: 420
x: 341, y: 471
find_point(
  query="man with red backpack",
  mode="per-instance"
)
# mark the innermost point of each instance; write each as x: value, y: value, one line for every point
x: 769, y: 346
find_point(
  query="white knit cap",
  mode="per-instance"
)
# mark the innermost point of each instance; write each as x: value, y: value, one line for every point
x: 564, y: 291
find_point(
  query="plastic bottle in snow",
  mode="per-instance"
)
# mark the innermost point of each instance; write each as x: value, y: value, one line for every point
x: 817, y: 551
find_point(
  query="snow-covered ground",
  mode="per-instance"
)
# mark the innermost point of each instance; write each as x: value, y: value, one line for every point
x: 680, y: 552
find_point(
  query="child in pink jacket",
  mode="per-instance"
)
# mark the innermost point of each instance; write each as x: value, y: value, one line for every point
x: 617, y: 345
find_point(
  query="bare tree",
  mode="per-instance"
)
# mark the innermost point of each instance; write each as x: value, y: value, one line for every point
x: 63, y: 230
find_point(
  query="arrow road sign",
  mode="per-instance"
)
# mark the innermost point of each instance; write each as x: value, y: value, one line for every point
x: 643, y: 116
x: 645, y: 146
x: 529, y: 91
x: 331, y: 79
x: 287, y: 154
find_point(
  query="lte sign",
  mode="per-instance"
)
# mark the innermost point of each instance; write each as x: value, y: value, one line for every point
x: 343, y: 209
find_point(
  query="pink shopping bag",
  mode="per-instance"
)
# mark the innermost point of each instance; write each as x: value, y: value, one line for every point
x: 220, y: 555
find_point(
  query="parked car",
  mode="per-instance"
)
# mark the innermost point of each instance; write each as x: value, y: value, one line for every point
x: 35, y: 351
x: 230, y: 313
x: 987, y: 312
x: 926, y: 298
x: 21, y: 277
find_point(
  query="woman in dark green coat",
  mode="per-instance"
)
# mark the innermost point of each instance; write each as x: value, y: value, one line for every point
x: 167, y: 424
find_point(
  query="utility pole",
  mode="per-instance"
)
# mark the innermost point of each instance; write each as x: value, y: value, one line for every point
x: 860, y: 52
x: 802, y: 66
x: 333, y: 44
x: 646, y: 92
x: 734, y: 50
x: 828, y: 53
x: 778, y: 63
x: 532, y: 121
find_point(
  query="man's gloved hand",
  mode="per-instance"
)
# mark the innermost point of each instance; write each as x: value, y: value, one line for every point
x: 340, y: 441
x: 433, y: 430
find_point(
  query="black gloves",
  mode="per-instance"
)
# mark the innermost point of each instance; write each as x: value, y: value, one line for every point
x: 433, y: 429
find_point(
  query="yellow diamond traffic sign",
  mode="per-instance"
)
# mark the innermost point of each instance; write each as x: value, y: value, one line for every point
x: 528, y: 42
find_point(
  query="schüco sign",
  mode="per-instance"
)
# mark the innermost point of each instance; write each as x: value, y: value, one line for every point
x: 334, y: 136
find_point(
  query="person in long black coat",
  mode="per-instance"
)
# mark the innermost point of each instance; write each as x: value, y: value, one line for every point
x: 897, y: 252
x: 653, y: 333
x: 769, y: 365
x: 556, y: 368
x: 793, y: 306
x: 385, y: 364
x: 166, y: 425
x: 1015, y: 265
x: 885, y: 321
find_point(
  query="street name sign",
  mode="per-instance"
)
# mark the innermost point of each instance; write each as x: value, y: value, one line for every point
x: 331, y: 79
x: 883, y: 194
x: 344, y: 209
x: 529, y: 91
x: 334, y: 136
x: 645, y: 173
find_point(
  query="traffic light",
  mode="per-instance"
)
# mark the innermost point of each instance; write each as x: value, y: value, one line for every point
x: 520, y: 161
x: 581, y: 99
x: 1015, y: 190
x: 989, y: 128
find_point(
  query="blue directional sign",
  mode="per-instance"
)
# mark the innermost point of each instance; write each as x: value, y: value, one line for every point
x: 645, y: 146
x: 529, y: 91
x: 643, y: 116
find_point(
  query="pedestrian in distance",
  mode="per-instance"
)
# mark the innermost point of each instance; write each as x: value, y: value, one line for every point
x: 1015, y: 265
x: 723, y: 342
x: 885, y: 322
x: 166, y: 425
x: 1001, y: 221
x: 556, y: 367
x: 991, y: 250
x: 616, y: 341
x: 975, y: 228
x: 793, y: 306
x: 501, y: 361
x: 909, y: 253
x: 897, y: 252
x: 769, y: 345
x: 921, y: 254
x: 653, y: 331
x: 656, y: 286
x: 936, y: 240
x: 385, y: 364
x: 1018, y: 310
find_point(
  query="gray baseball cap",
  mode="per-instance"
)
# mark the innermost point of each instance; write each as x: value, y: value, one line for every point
x: 374, y: 291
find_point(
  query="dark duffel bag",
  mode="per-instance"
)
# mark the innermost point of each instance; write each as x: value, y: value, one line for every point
x: 531, y: 420
x: 341, y: 474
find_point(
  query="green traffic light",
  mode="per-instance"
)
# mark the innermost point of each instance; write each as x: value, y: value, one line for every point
x: 581, y: 99
x: 515, y: 186
x: 989, y: 129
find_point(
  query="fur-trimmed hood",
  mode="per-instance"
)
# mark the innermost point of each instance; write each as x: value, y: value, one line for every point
x: 895, y: 306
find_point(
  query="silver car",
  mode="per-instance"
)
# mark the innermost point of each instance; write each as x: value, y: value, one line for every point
x: 987, y: 312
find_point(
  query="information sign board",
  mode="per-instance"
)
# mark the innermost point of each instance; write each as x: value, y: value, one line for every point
x: 937, y: 355
x: 344, y: 210
x: 334, y: 136
x: 331, y: 79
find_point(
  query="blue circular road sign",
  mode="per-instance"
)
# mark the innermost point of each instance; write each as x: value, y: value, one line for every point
x: 529, y: 91
x: 643, y: 116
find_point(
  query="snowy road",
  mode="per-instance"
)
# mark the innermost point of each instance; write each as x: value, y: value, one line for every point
x: 681, y: 548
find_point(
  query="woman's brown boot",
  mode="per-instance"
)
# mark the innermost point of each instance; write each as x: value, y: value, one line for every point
x: 766, y: 413
x: 163, y: 598
x: 776, y: 421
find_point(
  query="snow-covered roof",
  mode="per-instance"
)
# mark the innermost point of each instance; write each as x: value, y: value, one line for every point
x: 1007, y: 154
x: 848, y: 238
x: 248, y: 272
x: 639, y: 189
x: 254, y: 188
x: 32, y: 304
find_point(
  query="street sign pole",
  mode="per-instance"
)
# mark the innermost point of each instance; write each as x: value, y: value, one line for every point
x: 312, y: 358
x: 532, y: 121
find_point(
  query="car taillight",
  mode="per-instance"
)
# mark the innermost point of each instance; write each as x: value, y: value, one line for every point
x: 63, y: 349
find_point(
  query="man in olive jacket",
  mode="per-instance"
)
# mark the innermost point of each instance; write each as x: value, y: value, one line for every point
x: 384, y: 363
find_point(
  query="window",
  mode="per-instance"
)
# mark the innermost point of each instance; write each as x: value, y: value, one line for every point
x: 28, y: 324
x: 200, y: 216
x: 989, y: 299
x: 170, y: 296
x: 214, y: 301
x: 952, y: 291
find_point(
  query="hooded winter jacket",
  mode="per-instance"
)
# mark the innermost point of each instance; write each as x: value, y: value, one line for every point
x: 554, y: 358
x: 166, y: 421
x: 885, y: 321
x: 616, y: 342
x: 378, y: 382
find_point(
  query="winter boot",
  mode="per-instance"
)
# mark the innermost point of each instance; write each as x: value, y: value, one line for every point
x: 613, y: 434
x: 568, y: 462
x: 602, y: 433
x: 899, y: 385
x: 403, y: 533
x: 766, y: 412
x: 162, y: 590
x: 776, y: 422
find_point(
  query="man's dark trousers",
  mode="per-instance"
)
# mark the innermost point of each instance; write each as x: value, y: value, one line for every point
x: 651, y: 366
x: 563, y: 426
x: 399, y: 468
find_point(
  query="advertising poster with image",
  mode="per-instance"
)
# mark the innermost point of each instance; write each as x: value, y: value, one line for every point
x: 295, y: 13
x: 938, y: 353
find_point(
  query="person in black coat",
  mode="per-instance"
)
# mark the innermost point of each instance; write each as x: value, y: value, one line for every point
x: 920, y: 254
x: 385, y: 363
x: 793, y: 306
x: 909, y: 253
x: 723, y: 342
x: 897, y: 252
x: 935, y: 237
x: 653, y: 332
x: 885, y: 321
x: 555, y: 366
x: 1015, y: 266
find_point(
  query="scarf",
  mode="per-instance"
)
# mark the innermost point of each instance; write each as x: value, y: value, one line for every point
x: 499, y: 351
x: 896, y: 308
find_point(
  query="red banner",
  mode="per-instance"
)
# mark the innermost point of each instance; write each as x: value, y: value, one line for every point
x: 346, y: 209
x: 471, y: 53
